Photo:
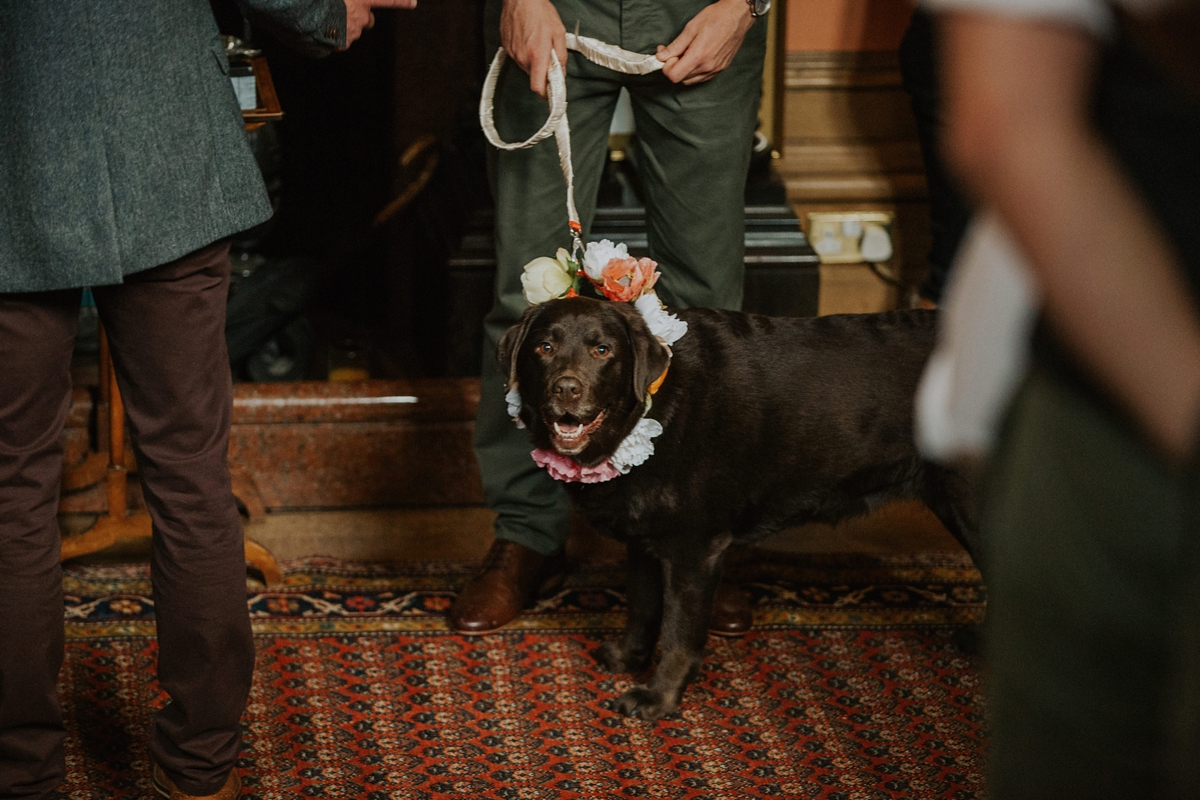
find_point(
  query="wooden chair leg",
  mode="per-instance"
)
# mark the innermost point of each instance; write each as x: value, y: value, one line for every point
x: 92, y: 469
x: 86, y: 473
x: 261, y: 559
x: 104, y: 534
x: 246, y: 491
x: 118, y: 524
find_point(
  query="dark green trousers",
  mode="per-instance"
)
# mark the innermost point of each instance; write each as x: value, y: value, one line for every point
x: 1092, y: 614
x: 694, y: 150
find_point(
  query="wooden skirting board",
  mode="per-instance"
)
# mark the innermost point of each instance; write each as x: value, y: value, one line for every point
x: 332, y: 445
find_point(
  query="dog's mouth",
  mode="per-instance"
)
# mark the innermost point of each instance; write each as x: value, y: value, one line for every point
x: 570, y: 435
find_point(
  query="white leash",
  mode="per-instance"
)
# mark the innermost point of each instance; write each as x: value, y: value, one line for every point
x: 596, y: 51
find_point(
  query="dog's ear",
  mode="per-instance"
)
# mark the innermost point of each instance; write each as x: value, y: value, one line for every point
x: 510, y: 344
x: 650, y: 356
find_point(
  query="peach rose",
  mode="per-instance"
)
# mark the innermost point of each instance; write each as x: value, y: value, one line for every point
x: 627, y: 279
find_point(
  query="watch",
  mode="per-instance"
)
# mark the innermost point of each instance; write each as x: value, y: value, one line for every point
x: 759, y: 8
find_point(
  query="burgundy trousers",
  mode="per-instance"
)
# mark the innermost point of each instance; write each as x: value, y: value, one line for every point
x: 166, y: 328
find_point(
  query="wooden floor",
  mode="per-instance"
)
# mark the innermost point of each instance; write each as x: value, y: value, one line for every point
x: 464, y: 533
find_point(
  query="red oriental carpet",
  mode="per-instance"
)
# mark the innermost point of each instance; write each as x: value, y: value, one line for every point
x: 850, y: 686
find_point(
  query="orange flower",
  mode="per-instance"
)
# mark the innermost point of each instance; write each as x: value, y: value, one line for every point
x: 627, y: 279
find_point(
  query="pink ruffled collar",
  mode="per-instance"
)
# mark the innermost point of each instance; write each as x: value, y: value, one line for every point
x: 563, y: 468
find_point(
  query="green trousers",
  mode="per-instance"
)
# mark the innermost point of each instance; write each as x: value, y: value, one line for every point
x: 694, y: 147
x: 1092, y: 621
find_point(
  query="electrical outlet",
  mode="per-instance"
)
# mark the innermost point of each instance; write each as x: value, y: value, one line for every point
x: 851, y: 237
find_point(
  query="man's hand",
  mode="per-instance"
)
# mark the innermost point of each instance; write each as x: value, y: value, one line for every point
x: 529, y: 31
x: 708, y: 42
x: 360, y: 17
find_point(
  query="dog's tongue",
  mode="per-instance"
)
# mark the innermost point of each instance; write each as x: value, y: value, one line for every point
x: 570, y: 428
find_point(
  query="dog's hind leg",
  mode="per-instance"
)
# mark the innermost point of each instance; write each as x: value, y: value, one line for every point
x: 689, y: 582
x: 952, y: 494
x: 644, y: 596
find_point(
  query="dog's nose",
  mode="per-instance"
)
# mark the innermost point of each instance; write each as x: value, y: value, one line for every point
x: 567, y: 388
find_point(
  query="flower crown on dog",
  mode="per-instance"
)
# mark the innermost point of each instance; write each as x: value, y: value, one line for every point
x: 621, y: 278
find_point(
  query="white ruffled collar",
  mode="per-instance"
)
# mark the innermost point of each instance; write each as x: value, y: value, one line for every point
x: 633, y: 450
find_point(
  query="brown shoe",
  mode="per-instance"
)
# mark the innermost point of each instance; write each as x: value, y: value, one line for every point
x: 510, y: 578
x: 731, y: 612
x: 166, y: 787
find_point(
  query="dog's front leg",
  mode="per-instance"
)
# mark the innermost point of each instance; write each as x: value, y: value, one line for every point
x: 644, y: 595
x: 689, y: 582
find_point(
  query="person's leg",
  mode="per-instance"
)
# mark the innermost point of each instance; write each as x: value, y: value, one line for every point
x: 166, y: 327
x: 533, y: 512
x: 531, y: 221
x: 37, y: 332
x: 693, y: 149
x: 1084, y: 535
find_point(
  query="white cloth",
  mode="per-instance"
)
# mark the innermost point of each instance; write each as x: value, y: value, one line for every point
x: 988, y: 313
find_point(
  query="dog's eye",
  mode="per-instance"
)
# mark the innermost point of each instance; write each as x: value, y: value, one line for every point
x: 545, y: 348
x: 603, y: 350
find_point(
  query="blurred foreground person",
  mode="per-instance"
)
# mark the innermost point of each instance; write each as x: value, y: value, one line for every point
x: 124, y: 166
x: 1076, y: 125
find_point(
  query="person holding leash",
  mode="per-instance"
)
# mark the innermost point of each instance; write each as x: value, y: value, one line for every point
x: 695, y: 130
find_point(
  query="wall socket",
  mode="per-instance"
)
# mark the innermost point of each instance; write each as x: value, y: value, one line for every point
x: 851, y: 237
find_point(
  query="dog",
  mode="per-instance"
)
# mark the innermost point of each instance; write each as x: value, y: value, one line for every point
x: 766, y: 422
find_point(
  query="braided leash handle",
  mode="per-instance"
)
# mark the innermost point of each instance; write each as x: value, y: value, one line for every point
x: 596, y: 51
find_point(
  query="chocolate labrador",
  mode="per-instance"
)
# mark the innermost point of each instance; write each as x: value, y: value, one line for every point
x: 766, y: 422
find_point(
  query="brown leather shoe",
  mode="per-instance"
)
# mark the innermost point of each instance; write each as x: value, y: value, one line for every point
x: 511, y: 576
x: 167, y: 788
x: 731, y: 612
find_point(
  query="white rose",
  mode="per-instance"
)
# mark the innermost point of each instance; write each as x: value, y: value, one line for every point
x: 564, y: 260
x: 667, y: 327
x: 597, y: 255
x: 544, y: 279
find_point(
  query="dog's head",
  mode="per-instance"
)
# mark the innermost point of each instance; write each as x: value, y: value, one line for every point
x: 583, y: 368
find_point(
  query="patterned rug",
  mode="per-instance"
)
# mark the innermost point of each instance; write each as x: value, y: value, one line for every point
x: 852, y: 685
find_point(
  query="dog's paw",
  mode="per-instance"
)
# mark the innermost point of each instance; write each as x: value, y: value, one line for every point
x: 642, y: 702
x: 614, y: 658
x: 610, y: 656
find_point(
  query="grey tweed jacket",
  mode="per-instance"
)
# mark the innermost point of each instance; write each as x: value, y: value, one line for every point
x: 121, y: 143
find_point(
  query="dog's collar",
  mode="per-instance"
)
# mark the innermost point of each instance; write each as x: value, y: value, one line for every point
x: 633, y: 450
x: 658, y: 382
